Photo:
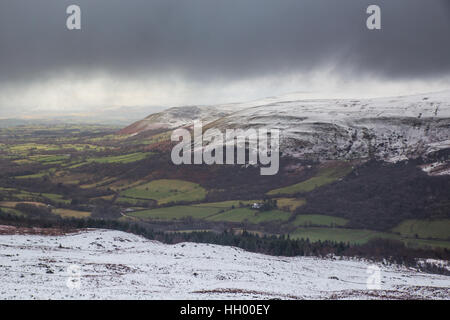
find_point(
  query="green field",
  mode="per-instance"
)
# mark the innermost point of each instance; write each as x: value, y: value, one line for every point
x: 174, y: 213
x: 98, y: 167
x: 219, y: 211
x: 22, y: 195
x: 11, y: 211
x: 128, y: 201
x: 226, y: 204
x: 6, y: 189
x: 325, y: 176
x: 96, y: 183
x: 33, y: 148
x: 120, y: 159
x: 22, y: 161
x: 360, y: 236
x: 50, y: 159
x: 82, y: 147
x: 249, y: 215
x: 165, y: 190
x: 126, y: 158
x: 33, y: 176
x: 12, y: 193
x: 353, y: 236
x: 319, y: 220
x: 423, y: 243
x: 28, y: 147
x: 77, y: 164
x: 432, y: 229
x: 56, y: 198
x: 12, y: 204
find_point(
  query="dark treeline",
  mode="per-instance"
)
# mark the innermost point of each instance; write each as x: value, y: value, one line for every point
x: 388, y: 251
x: 271, y: 245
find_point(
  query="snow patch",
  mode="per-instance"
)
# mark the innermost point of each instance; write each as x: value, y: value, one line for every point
x: 118, y: 265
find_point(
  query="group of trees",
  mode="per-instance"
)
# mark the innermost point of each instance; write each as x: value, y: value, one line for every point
x: 105, y: 210
x: 268, y: 204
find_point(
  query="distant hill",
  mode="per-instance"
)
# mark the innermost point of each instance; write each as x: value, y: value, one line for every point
x: 119, y: 116
x: 390, y: 129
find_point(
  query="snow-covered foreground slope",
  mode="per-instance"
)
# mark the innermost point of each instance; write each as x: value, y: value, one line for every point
x: 117, y: 265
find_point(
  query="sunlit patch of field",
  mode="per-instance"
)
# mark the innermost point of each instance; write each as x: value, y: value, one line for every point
x: 109, y: 137
x: 12, y: 204
x: 77, y: 164
x: 49, y: 159
x: 34, y: 175
x: 325, y: 176
x: 166, y: 190
x: 128, y: 218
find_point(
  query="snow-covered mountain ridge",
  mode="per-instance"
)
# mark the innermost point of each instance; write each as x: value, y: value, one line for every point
x: 390, y: 129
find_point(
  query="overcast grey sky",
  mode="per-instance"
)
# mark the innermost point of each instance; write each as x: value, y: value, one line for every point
x: 172, y: 52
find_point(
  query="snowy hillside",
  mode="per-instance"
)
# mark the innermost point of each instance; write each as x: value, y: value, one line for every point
x: 116, y: 265
x: 386, y: 128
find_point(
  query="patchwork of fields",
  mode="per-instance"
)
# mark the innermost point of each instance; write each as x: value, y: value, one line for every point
x: 165, y: 191
x: 426, y: 229
x: 72, y: 171
x: 324, y: 176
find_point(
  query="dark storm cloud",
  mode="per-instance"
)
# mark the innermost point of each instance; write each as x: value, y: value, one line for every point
x: 223, y: 39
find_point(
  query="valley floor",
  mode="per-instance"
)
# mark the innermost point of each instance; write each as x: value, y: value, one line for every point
x: 104, y: 264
